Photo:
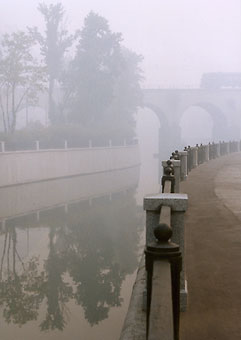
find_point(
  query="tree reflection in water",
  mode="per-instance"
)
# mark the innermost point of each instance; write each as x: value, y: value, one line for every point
x: 91, y: 250
x: 18, y: 303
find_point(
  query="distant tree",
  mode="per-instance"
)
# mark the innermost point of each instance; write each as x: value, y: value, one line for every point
x: 53, y: 44
x: 127, y: 94
x: 102, y: 82
x: 94, y: 68
x: 21, y: 77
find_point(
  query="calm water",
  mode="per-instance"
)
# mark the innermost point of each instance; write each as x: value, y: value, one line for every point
x: 67, y: 265
x: 69, y: 250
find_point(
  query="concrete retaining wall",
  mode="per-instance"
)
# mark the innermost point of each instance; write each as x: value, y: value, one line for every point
x: 25, y: 199
x: 32, y: 166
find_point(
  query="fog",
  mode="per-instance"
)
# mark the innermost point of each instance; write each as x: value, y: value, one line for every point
x: 180, y: 40
x: 94, y: 95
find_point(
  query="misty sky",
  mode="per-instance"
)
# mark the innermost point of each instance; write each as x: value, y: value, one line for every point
x: 179, y: 39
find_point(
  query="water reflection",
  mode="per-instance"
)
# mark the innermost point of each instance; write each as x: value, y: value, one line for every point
x: 80, y: 252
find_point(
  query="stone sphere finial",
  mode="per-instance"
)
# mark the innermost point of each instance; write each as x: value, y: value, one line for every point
x: 169, y: 169
x: 163, y: 232
x: 176, y: 155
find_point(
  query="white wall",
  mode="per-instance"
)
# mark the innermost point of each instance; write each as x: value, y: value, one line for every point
x: 32, y: 166
x: 23, y: 199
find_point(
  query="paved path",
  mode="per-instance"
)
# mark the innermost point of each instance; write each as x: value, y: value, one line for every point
x: 213, y: 251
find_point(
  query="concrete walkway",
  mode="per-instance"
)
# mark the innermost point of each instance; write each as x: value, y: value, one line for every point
x: 213, y: 251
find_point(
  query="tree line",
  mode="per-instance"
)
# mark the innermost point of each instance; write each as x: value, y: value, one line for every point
x: 96, y: 85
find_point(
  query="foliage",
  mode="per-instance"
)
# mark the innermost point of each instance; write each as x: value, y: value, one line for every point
x: 53, y: 46
x: 76, y: 135
x: 102, y: 82
x: 99, y: 89
x: 127, y: 94
x: 21, y: 78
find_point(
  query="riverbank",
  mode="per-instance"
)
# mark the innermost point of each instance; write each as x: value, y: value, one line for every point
x: 23, y: 167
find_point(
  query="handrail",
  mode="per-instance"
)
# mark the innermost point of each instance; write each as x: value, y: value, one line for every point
x: 162, y: 315
x: 163, y: 264
x: 160, y: 323
x: 203, y: 153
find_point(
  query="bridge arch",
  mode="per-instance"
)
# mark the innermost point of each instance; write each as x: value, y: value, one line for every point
x: 166, y: 144
x: 196, y: 126
x: 220, y: 123
x: 158, y: 112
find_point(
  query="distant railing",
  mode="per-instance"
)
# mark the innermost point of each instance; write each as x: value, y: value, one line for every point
x: 164, y: 259
x: 64, y: 144
x: 37, y: 145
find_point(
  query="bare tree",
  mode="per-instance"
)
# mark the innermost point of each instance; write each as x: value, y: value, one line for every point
x: 21, y: 78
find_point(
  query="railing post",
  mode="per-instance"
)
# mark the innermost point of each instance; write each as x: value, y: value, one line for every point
x: 203, y: 153
x: 223, y: 148
x: 214, y: 150
x: 183, y: 159
x: 210, y: 151
x: 168, y: 175
x: 200, y: 154
x: 206, y: 152
x: 178, y: 204
x: 228, y: 147
x: 2, y: 146
x: 194, y: 157
x: 189, y: 158
x: 177, y: 173
x: 219, y: 149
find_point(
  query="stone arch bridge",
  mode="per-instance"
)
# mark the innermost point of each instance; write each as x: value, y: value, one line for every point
x: 169, y: 105
x: 223, y: 106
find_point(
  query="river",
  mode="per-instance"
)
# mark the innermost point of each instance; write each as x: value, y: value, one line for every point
x: 68, y: 258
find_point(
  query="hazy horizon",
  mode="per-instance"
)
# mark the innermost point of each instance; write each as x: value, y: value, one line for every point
x: 178, y: 40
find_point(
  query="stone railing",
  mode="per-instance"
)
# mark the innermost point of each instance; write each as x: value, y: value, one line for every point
x: 164, y: 280
x: 37, y: 145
